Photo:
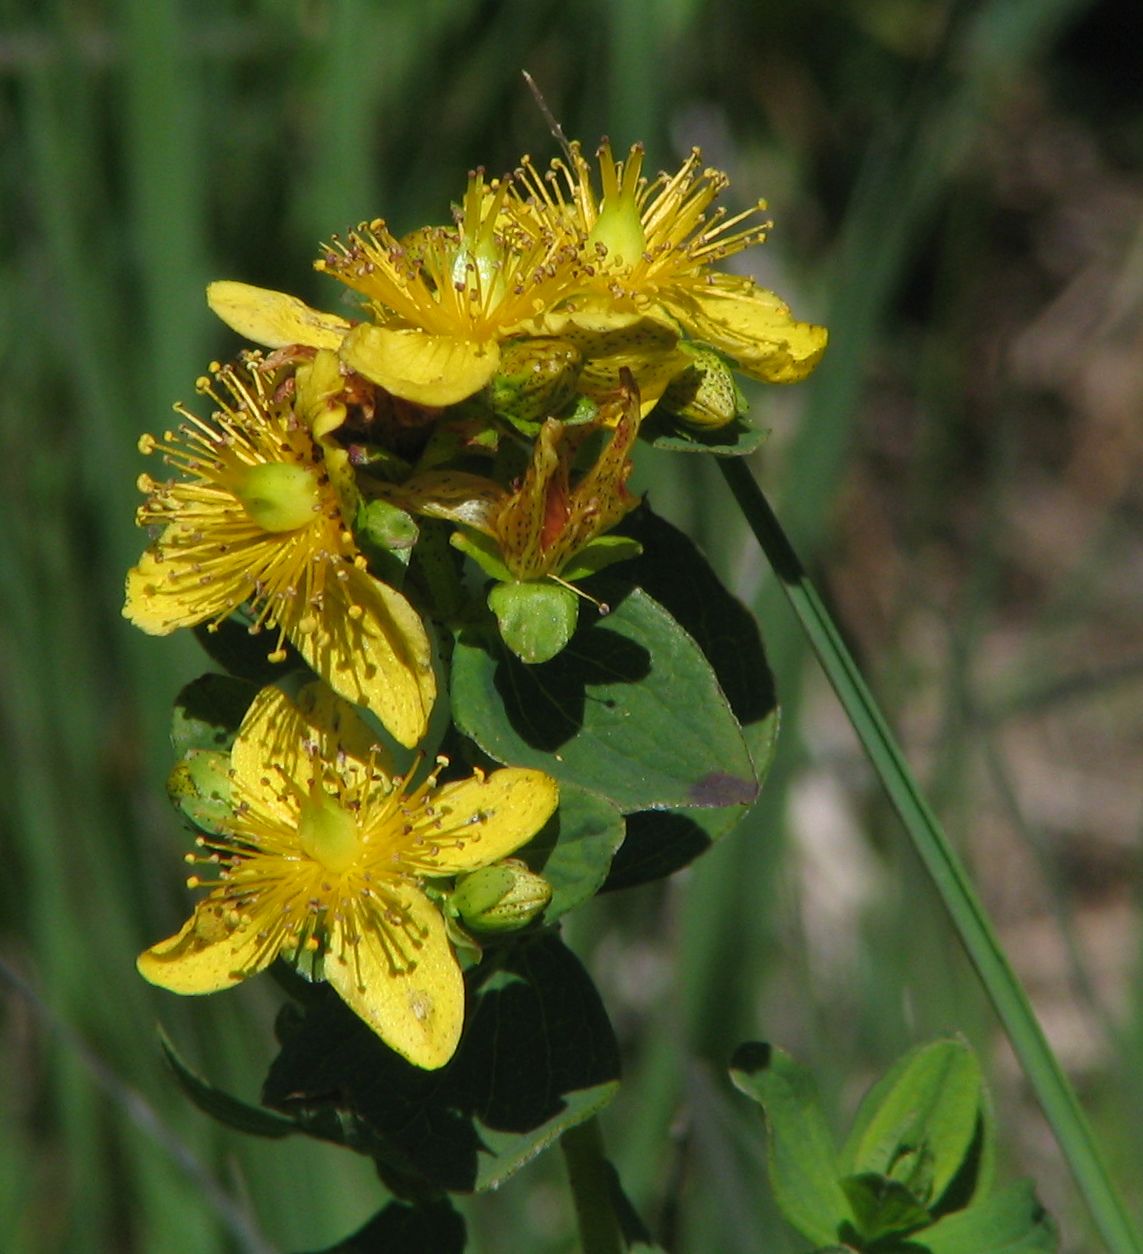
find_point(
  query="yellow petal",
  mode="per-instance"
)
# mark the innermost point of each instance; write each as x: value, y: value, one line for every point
x: 283, y: 732
x: 274, y: 319
x: 158, y: 600
x: 370, y: 646
x: 432, y: 370
x: 751, y: 325
x: 207, y: 954
x: 419, y: 1012
x: 505, y: 810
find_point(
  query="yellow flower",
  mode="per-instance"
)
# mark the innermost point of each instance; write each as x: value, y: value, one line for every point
x: 254, y: 519
x: 327, y: 855
x: 649, y: 247
x: 438, y: 303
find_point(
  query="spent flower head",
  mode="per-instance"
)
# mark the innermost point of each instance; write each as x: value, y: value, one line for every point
x: 326, y: 858
x: 252, y: 518
x: 542, y: 522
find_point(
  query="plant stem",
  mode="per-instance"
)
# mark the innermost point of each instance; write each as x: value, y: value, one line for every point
x: 589, y: 1175
x: 947, y: 872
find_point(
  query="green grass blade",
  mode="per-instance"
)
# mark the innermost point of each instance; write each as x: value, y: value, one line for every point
x: 949, y: 877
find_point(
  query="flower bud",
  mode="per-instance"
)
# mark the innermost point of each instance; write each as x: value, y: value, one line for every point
x: 500, y: 898
x: 705, y: 394
x: 536, y: 379
x: 199, y: 787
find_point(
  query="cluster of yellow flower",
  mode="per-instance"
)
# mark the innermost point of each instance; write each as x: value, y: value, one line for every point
x: 491, y: 385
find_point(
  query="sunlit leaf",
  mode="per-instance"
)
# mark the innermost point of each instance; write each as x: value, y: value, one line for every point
x: 802, y: 1162
x: 1011, y: 1221
x: 630, y: 709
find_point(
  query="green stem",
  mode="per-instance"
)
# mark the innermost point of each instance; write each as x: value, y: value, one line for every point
x: 590, y: 1175
x: 1043, y: 1071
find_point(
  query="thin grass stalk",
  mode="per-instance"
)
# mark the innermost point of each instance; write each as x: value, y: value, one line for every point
x: 948, y: 874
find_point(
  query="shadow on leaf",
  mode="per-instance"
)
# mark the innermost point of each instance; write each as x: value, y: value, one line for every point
x: 546, y: 703
x: 538, y: 1056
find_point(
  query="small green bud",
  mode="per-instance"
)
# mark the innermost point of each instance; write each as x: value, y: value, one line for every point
x: 536, y: 379
x: 705, y: 394
x: 199, y: 787
x: 500, y: 898
x: 385, y: 526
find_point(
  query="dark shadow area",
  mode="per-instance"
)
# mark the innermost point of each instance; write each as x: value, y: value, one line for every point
x: 537, y: 1034
x: 546, y: 703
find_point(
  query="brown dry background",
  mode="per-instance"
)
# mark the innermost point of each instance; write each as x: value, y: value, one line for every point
x: 957, y: 190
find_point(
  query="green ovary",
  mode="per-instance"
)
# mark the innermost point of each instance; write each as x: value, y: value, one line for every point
x: 279, y: 496
x: 328, y: 833
x: 620, y: 231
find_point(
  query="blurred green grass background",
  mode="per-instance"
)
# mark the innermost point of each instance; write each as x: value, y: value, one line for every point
x: 957, y: 191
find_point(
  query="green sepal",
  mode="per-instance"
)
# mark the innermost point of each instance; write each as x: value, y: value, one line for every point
x: 379, y: 462
x: 462, y: 429
x: 583, y: 410
x: 598, y: 554
x: 924, y: 1124
x: 484, y: 552
x: 536, y: 620
x: 802, y: 1162
x: 199, y: 788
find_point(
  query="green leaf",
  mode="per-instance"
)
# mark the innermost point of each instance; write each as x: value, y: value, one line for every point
x: 600, y: 553
x: 677, y: 575
x: 385, y: 534
x: 736, y: 439
x: 428, y: 1227
x: 228, y: 1110
x: 208, y: 711
x: 484, y: 551
x: 802, y: 1162
x: 630, y: 709
x: 537, y: 1056
x: 1011, y: 1221
x: 574, y: 850
x: 536, y: 620
x: 921, y: 1121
